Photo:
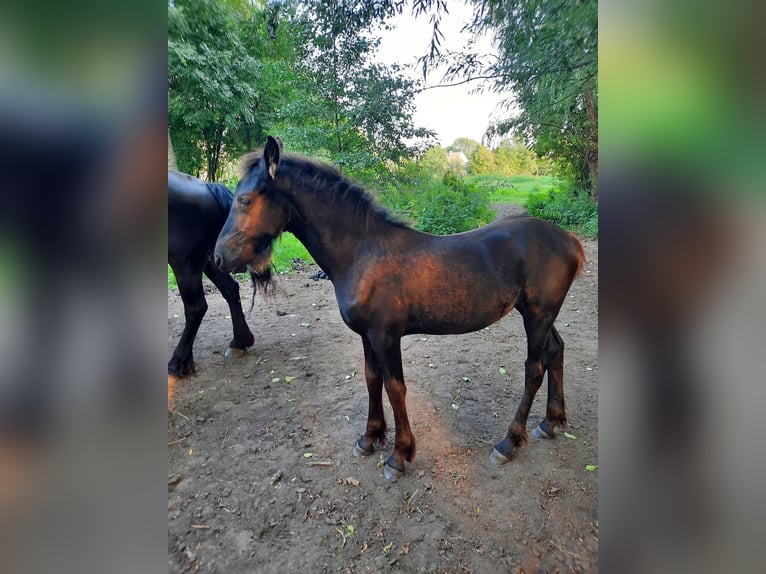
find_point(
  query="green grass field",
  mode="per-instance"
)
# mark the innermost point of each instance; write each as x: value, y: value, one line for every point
x: 514, y: 189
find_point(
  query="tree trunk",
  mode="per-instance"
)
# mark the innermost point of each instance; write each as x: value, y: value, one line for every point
x: 592, y: 157
x: 171, y: 155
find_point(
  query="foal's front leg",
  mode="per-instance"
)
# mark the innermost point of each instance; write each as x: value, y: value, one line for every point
x: 376, y: 423
x: 388, y: 350
x: 383, y: 367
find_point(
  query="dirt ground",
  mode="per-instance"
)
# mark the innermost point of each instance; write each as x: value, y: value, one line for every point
x: 261, y: 476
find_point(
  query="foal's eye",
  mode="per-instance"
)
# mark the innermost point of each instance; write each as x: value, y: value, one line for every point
x: 244, y: 201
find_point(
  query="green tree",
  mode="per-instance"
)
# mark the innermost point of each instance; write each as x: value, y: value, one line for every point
x: 434, y: 161
x: 358, y: 111
x: 211, y: 80
x: 548, y: 60
x: 467, y: 145
x: 482, y: 161
x: 512, y: 157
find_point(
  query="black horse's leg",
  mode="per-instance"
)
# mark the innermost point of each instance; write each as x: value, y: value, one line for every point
x: 553, y: 362
x: 538, y: 328
x: 376, y: 423
x: 389, y: 353
x: 189, y: 279
x: 229, y: 288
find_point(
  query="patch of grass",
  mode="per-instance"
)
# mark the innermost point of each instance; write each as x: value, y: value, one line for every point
x: 287, y: 249
x: 515, y: 189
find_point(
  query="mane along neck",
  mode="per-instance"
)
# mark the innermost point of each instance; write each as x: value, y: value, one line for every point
x: 321, y: 187
x: 331, y: 215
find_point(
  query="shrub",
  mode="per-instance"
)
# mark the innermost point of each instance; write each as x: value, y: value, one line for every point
x: 440, y: 206
x: 576, y: 212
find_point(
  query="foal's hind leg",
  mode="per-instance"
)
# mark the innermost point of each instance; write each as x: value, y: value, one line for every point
x: 376, y: 423
x: 229, y: 288
x: 538, y: 327
x: 553, y: 362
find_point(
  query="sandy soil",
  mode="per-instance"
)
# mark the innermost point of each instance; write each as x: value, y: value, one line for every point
x: 261, y: 476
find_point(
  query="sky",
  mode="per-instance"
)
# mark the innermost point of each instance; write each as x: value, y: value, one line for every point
x: 452, y: 112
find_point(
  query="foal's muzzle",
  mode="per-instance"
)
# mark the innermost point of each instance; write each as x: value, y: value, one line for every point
x: 226, y: 262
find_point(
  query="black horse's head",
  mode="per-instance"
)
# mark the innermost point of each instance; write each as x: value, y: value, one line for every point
x: 257, y: 216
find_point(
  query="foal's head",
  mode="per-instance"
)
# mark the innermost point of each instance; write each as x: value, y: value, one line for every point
x: 257, y: 216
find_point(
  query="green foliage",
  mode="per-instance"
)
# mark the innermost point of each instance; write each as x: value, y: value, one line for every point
x: 482, y: 161
x: 211, y: 80
x: 172, y: 284
x: 434, y: 161
x: 304, y: 71
x: 512, y: 157
x: 574, y: 211
x: 355, y: 110
x: 549, y: 60
x: 440, y: 206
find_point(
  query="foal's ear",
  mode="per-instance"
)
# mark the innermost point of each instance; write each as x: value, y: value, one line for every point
x: 271, y: 155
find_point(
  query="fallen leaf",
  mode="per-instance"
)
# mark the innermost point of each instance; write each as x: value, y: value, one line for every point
x: 588, y: 369
x: 275, y: 379
x: 466, y: 379
x: 308, y: 454
x: 501, y: 370
x: 570, y: 435
x: 289, y: 379
x: 591, y: 467
x: 455, y: 406
x: 388, y: 547
x: 352, y: 481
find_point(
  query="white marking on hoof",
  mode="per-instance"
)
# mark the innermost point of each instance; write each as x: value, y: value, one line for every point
x: 496, y: 458
x: 234, y: 353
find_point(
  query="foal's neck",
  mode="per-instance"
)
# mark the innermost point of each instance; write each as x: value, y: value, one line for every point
x: 332, y: 217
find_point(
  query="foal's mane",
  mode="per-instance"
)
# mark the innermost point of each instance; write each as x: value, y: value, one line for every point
x: 326, y: 179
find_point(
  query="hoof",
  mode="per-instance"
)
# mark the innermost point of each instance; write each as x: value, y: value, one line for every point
x: 502, y: 452
x: 496, y: 458
x: 360, y: 451
x: 543, y: 430
x: 391, y: 472
x: 234, y: 353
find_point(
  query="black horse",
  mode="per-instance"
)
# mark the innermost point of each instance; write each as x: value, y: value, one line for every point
x: 196, y: 212
x: 391, y: 280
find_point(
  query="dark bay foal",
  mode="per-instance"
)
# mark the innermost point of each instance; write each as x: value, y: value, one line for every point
x: 391, y: 280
